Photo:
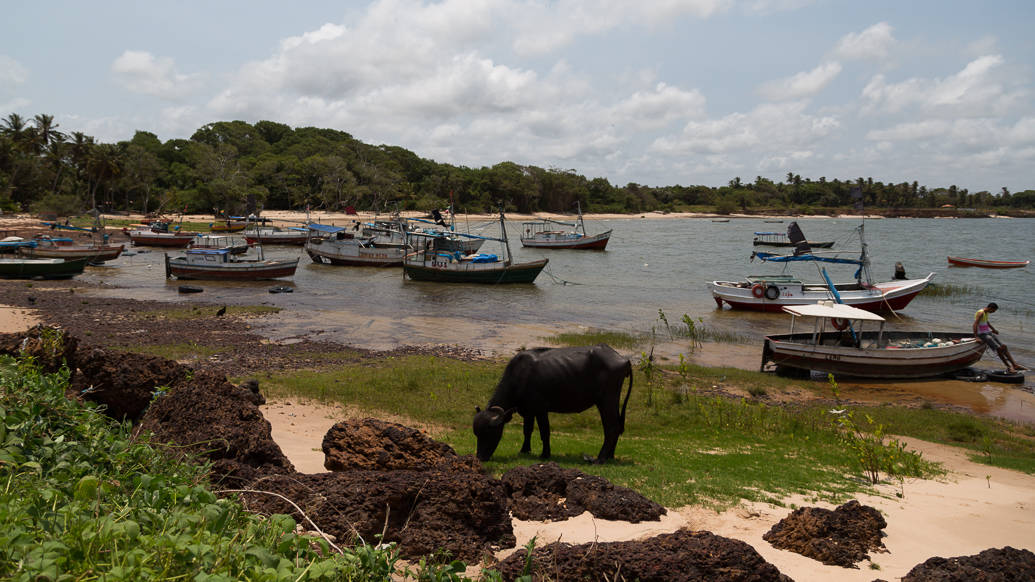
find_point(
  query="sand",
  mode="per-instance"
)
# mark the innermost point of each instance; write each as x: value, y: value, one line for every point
x: 974, y: 508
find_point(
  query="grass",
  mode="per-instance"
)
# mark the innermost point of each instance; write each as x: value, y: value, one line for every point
x: 181, y: 312
x: 615, y: 339
x: 682, y: 444
x: 686, y: 329
x: 176, y: 351
x: 951, y: 291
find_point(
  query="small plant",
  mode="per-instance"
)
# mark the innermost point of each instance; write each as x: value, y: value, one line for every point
x: 648, y: 368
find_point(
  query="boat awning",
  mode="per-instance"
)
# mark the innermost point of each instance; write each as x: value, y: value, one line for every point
x: 828, y: 309
x: 325, y: 228
x: 208, y: 251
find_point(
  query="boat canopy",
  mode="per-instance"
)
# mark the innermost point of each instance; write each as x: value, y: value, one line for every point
x: 770, y: 234
x: 208, y: 251
x: 325, y: 228
x: 788, y: 258
x: 831, y: 309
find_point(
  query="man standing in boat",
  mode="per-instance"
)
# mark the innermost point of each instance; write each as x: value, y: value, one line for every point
x: 987, y: 333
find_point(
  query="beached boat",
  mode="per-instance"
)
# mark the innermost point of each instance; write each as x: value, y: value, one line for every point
x: 11, y: 244
x: 985, y: 263
x: 432, y: 262
x: 157, y: 238
x: 775, y: 291
x: 222, y: 265
x: 228, y: 226
x: 542, y: 234
x: 237, y: 245
x: 779, y: 239
x: 338, y: 245
x: 26, y: 268
x: 837, y: 342
x: 65, y: 248
x: 273, y: 235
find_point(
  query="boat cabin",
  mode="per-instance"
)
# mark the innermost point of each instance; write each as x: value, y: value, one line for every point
x: 838, y: 324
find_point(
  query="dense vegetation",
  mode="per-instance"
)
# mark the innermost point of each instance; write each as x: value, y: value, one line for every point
x: 234, y: 167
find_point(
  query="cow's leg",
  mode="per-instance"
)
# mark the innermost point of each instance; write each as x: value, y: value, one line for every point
x: 612, y: 429
x: 544, y: 433
x: 529, y: 424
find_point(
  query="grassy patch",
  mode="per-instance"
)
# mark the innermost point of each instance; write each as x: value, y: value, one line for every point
x: 176, y: 351
x: 181, y: 312
x: 951, y: 291
x: 683, y: 444
x: 615, y: 339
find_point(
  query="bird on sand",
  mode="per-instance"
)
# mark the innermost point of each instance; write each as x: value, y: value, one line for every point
x: 221, y: 311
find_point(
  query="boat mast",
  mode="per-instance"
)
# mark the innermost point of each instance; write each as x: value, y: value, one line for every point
x: 581, y: 224
x: 864, y: 258
x: 503, y: 231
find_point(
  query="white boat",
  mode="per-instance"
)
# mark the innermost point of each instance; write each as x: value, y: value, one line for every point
x: 773, y: 292
x: 273, y: 235
x: 235, y: 244
x: 338, y: 245
x: 223, y: 265
x: 837, y: 342
x: 544, y: 234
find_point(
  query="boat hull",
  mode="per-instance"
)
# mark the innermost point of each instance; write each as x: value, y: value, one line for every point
x: 351, y: 254
x: 466, y: 272
x: 98, y: 254
x: 234, y: 271
x: 161, y: 239
x: 287, y: 238
x: 567, y: 241
x: 901, y: 356
x: 986, y: 264
x: 887, y: 296
x: 41, y: 268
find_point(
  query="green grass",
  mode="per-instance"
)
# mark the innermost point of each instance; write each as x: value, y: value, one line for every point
x: 686, y: 329
x: 950, y: 291
x: 681, y: 445
x: 615, y: 339
x: 176, y: 351
x: 178, y: 312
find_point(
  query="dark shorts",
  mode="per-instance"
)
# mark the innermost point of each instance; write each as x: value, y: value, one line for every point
x: 991, y: 340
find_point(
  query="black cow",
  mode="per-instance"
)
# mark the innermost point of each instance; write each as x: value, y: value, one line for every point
x: 543, y: 380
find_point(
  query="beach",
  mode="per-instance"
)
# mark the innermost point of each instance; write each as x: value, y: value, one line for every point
x: 975, y: 507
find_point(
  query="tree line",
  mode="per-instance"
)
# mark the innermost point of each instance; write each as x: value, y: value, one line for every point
x: 234, y: 167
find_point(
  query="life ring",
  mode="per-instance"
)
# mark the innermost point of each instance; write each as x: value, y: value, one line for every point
x: 772, y: 292
x: 758, y: 290
x: 839, y: 323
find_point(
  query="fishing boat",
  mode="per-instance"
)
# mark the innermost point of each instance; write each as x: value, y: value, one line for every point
x: 222, y: 265
x: 773, y: 292
x: 11, y: 244
x: 779, y: 239
x: 47, y: 247
x: 986, y: 264
x: 543, y: 234
x: 155, y: 237
x: 237, y: 245
x: 431, y: 262
x: 273, y: 235
x: 26, y: 268
x: 338, y: 245
x: 228, y: 226
x: 837, y: 342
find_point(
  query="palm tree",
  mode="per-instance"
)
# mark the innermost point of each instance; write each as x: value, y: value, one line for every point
x: 102, y: 164
x: 46, y: 132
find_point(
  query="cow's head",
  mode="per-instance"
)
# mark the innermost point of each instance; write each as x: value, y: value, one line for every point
x: 488, y: 429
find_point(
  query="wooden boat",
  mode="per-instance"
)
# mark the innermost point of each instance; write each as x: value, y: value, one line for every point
x: 431, y: 262
x: 542, y: 234
x: 65, y: 248
x: 228, y: 226
x: 338, y: 245
x: 235, y: 244
x: 222, y: 265
x: 986, y: 264
x: 837, y: 343
x: 272, y: 235
x: 25, y: 268
x: 11, y: 244
x: 153, y: 238
x: 779, y: 239
x: 774, y: 292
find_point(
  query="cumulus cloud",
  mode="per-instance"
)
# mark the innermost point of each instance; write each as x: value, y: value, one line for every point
x: 12, y: 73
x: 141, y: 72
x: 976, y: 90
x: 874, y: 43
x: 659, y: 107
x: 801, y: 85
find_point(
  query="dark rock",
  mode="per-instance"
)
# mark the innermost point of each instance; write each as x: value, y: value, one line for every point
x: 840, y: 537
x: 123, y: 382
x: 548, y: 492
x: 423, y: 511
x: 682, y: 556
x: 373, y: 444
x: 50, y: 347
x: 993, y: 565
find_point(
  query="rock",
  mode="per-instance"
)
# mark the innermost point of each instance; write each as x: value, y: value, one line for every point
x: 372, y: 444
x: 840, y: 537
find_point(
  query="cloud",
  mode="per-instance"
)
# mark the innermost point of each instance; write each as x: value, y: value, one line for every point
x: 801, y: 85
x: 874, y: 43
x: 977, y: 90
x: 141, y: 72
x: 12, y: 73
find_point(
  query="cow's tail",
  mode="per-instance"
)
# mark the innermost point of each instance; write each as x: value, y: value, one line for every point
x: 621, y: 415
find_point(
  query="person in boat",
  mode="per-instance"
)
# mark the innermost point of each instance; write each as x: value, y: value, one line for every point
x: 987, y: 333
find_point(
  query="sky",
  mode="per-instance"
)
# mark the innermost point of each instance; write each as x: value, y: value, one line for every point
x: 656, y: 92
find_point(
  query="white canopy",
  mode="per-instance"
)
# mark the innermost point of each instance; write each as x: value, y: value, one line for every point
x: 830, y: 309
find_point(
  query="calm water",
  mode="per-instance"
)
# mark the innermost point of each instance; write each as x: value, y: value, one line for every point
x: 650, y: 264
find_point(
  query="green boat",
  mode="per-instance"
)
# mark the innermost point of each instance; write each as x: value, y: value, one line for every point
x: 433, y: 261
x: 41, y: 268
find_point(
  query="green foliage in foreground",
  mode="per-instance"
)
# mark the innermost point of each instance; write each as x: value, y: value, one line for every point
x: 80, y: 500
x: 682, y: 445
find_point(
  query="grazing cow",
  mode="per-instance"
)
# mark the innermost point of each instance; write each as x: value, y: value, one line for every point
x: 543, y: 380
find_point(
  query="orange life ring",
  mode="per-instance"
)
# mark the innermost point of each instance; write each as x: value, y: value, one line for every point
x: 758, y: 290
x: 839, y: 323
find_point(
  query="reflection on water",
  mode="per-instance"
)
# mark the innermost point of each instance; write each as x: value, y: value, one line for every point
x: 650, y: 265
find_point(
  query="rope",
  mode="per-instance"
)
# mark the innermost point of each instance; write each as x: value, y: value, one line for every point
x: 557, y: 279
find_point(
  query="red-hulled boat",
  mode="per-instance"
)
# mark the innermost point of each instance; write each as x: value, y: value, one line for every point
x: 986, y: 264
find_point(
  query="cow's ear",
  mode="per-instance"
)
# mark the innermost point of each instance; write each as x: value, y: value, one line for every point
x: 477, y: 409
x: 509, y: 414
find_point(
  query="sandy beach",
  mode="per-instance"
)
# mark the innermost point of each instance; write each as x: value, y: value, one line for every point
x: 974, y: 508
